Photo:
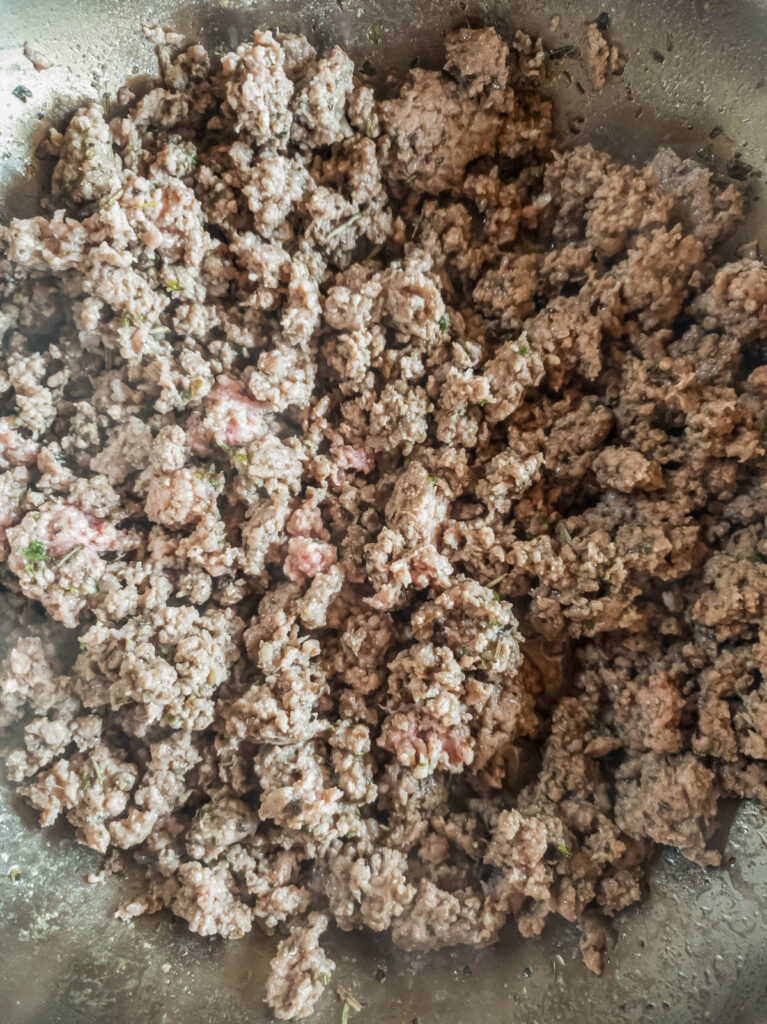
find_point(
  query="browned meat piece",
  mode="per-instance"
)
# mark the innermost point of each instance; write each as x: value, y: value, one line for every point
x: 670, y: 799
x: 709, y: 212
x: 602, y: 59
x: 300, y: 970
x: 87, y: 169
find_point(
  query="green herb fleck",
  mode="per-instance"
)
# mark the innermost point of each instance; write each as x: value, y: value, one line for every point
x: 167, y: 651
x: 443, y: 322
x: 16, y: 417
x: 86, y: 780
x: 343, y: 226
x: 563, y: 849
x: 370, y: 127
x: 111, y: 200
x: 68, y: 554
x: 184, y: 395
x: 34, y: 552
x: 563, y: 533
x: 374, y: 32
x: 560, y: 52
x: 482, y: 403
x: 173, y: 286
x: 159, y: 331
x: 345, y: 1014
x: 431, y: 479
x: 706, y: 155
x: 324, y: 980
x: 497, y: 580
x: 350, y: 1000
x: 82, y: 645
x: 125, y: 320
x: 198, y: 476
x: 523, y: 350
x: 702, y: 827
x: 241, y: 457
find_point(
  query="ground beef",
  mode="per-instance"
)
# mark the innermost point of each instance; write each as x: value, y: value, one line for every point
x: 602, y: 58
x: 87, y: 169
x: 393, y: 487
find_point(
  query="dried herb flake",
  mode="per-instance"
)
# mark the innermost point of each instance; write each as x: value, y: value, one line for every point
x: 34, y: 552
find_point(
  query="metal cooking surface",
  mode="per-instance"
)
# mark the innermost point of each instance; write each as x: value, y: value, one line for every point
x: 696, y: 950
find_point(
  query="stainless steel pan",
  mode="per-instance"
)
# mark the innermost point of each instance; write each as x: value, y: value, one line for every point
x: 696, y: 950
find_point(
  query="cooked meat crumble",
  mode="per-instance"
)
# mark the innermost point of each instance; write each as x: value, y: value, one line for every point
x: 400, y: 479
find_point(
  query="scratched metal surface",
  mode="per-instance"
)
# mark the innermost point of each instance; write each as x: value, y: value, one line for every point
x: 696, y: 950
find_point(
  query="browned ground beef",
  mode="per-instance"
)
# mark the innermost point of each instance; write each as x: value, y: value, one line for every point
x: 401, y: 478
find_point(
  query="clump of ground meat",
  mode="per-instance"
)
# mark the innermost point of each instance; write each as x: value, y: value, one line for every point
x: 392, y: 482
x: 602, y: 58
